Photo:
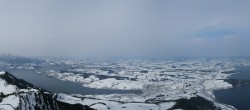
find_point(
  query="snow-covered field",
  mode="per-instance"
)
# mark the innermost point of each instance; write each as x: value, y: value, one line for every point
x: 172, y: 79
x: 106, y: 105
x: 162, y: 81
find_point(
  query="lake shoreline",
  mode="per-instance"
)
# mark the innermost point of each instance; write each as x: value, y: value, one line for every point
x: 238, y: 96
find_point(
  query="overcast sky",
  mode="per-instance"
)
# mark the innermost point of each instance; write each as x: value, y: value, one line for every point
x: 126, y: 28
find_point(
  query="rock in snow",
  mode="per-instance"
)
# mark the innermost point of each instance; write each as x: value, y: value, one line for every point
x: 17, y: 94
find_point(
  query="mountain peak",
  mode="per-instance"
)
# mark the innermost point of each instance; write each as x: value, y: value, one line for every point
x: 20, y: 83
x: 2, y: 72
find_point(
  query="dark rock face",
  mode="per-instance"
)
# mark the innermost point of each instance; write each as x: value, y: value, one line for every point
x: 21, y: 84
x: 194, y: 103
x: 66, y: 106
x: 40, y: 99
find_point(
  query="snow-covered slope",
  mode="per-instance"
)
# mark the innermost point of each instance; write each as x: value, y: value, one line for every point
x: 17, y: 94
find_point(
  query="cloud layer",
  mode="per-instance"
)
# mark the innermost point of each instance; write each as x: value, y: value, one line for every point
x: 125, y: 28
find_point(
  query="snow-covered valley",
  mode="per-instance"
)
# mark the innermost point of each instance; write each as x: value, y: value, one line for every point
x: 165, y: 83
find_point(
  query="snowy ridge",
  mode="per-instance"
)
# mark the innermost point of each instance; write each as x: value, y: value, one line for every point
x: 14, y: 98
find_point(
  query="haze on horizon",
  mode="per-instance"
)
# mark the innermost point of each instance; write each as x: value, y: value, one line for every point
x: 155, y: 28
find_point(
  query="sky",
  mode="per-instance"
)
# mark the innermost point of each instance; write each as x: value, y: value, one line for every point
x: 125, y: 28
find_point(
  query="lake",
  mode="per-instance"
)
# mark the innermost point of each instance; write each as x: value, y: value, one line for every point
x: 59, y: 86
x: 238, y: 97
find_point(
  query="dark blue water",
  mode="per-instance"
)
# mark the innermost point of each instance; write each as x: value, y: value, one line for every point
x: 243, y: 72
x: 238, y: 97
x: 58, y: 86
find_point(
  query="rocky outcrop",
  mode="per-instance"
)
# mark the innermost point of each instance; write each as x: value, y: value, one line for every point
x: 26, y: 96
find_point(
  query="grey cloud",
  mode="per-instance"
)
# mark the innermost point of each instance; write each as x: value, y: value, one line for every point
x: 125, y: 28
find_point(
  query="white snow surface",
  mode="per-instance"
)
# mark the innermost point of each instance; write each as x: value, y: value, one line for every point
x: 12, y: 101
x: 2, y: 72
x: 112, y: 105
x: 6, y: 88
x: 12, y: 93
